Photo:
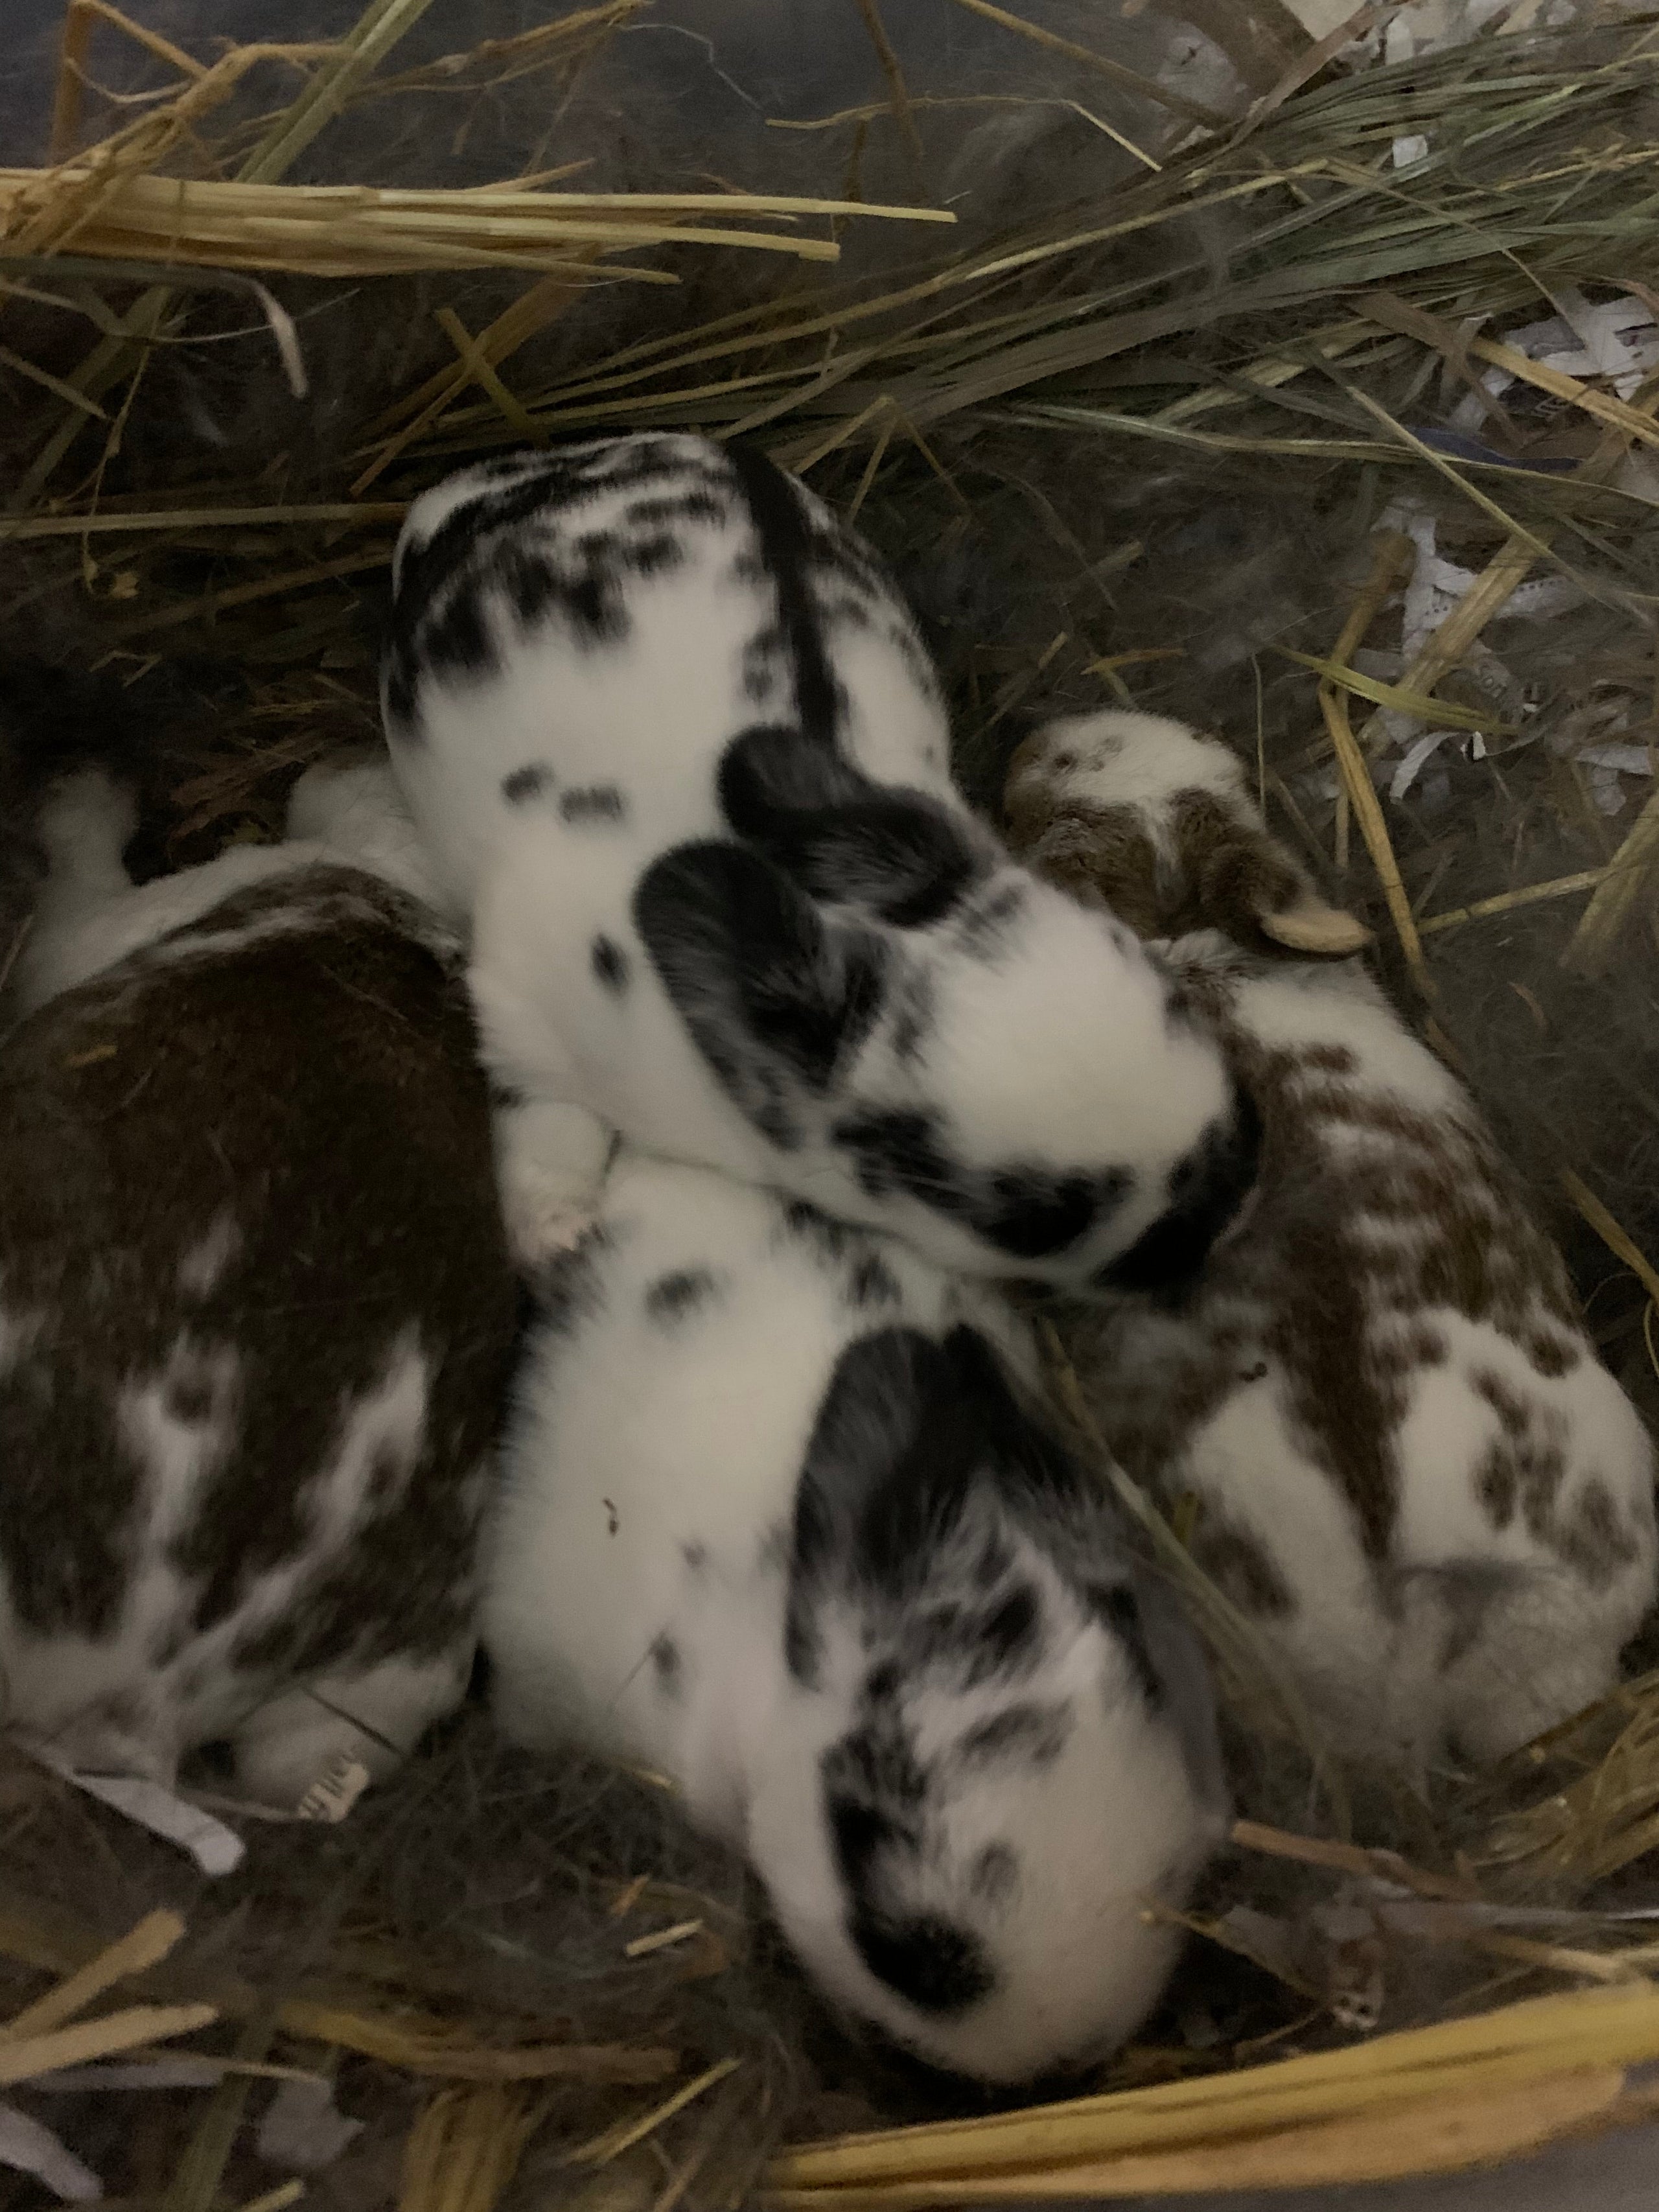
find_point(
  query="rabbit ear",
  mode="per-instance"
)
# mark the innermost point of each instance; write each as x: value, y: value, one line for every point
x: 1310, y: 926
x: 897, y: 853
x: 771, y: 990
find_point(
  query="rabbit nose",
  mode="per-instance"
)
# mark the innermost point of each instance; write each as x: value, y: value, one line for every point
x: 1208, y: 1193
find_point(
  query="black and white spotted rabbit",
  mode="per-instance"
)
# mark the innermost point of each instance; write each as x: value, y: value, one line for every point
x: 777, y: 1522
x: 1408, y: 1463
x: 679, y: 755
x: 256, y: 1309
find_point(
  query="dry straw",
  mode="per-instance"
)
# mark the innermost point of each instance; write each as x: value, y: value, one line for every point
x: 1273, y: 293
x: 1427, y: 2100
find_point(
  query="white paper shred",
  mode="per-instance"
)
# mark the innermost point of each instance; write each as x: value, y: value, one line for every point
x: 1614, y: 340
x: 1605, y: 790
x: 27, y: 2148
x: 1430, y: 27
x: 1627, y: 760
x: 1420, y: 751
x: 1398, y: 44
x: 180, y: 2070
x: 1639, y: 475
x: 302, y: 2129
x: 1618, y: 339
x: 216, y: 1849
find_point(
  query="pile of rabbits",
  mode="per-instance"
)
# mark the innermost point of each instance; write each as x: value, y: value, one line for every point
x: 779, y: 1516
x: 663, y: 975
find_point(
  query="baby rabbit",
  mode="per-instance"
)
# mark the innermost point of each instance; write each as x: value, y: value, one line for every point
x: 774, y: 1522
x: 256, y: 1311
x: 677, y: 752
x: 1408, y: 1463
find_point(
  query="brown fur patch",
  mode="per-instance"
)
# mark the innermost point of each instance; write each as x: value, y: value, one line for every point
x: 1240, y: 1567
x: 319, y: 1087
x: 1217, y: 869
x: 1332, y: 1286
x: 1232, y: 873
x: 1596, y: 1540
x: 1104, y: 856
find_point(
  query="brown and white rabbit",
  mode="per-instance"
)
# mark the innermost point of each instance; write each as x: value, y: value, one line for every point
x: 256, y: 1310
x: 1408, y: 1463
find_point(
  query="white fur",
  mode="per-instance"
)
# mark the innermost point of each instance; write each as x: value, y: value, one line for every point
x: 351, y: 809
x: 90, y: 914
x: 1474, y: 1627
x: 649, y: 1485
x: 1112, y: 759
x: 1056, y: 1056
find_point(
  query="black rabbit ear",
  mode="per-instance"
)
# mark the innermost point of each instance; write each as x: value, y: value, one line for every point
x: 770, y: 991
x: 871, y: 1421
x: 920, y: 1447
x: 895, y: 852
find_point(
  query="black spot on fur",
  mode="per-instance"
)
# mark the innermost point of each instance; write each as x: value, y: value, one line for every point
x: 695, y: 1558
x: 996, y: 1873
x: 831, y: 1240
x: 913, y: 1016
x: 666, y: 1665
x: 872, y: 1283
x: 768, y: 990
x: 1028, y: 1213
x: 565, y: 1287
x: 671, y: 1297
x: 457, y: 565
x: 190, y: 1399
x: 775, y: 506
x: 1027, y: 1735
x: 1011, y: 1635
x: 488, y: 550
x: 597, y: 802
x: 609, y: 963
x: 526, y: 782
x: 936, y: 1964
x: 684, y: 506
x: 1205, y: 1191
x: 985, y: 927
x: 1118, y: 1609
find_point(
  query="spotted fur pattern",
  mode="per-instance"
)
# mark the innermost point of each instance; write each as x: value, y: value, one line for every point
x: 1406, y: 1461
x: 775, y: 1522
x: 255, y: 1320
x: 677, y: 753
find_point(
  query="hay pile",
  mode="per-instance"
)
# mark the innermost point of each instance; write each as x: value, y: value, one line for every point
x: 1253, y: 422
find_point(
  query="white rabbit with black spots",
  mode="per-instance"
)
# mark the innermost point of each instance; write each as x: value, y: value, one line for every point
x: 776, y: 1523
x: 1408, y: 1463
x: 677, y: 753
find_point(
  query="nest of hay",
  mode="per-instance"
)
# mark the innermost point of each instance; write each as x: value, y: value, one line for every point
x: 1235, y: 418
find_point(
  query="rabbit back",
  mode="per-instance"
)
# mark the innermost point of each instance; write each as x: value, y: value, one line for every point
x: 257, y: 1314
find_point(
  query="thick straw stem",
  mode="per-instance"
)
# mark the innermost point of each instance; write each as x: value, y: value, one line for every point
x: 1623, y: 881
x: 1392, y: 554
